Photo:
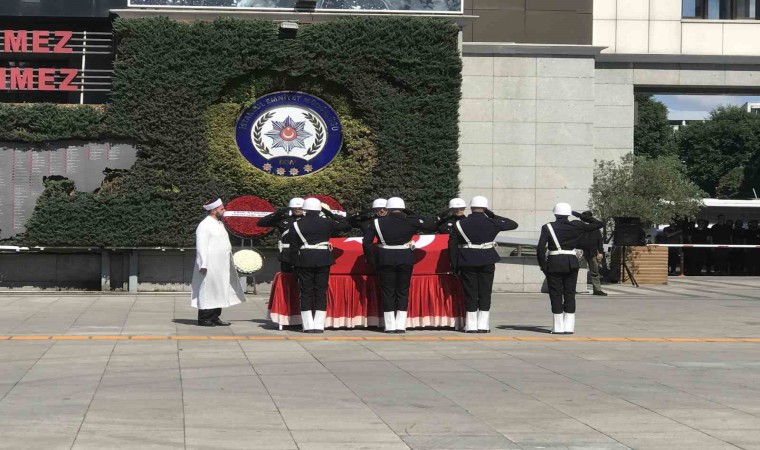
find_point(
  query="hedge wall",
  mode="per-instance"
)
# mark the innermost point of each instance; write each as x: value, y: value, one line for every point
x: 179, y: 87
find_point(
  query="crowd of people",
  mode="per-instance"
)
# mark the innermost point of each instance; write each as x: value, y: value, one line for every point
x: 387, y: 227
x: 712, y: 261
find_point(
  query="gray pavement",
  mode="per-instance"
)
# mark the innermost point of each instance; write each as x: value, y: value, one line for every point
x: 275, y: 392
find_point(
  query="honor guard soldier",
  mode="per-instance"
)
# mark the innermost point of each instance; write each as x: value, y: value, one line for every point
x: 393, y: 259
x: 473, y: 254
x: 561, y: 265
x: 311, y: 256
x: 281, y: 219
x: 447, y: 219
x: 736, y: 255
x: 362, y: 218
x: 751, y: 257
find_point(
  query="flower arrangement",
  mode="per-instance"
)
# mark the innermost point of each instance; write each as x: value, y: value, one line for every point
x: 243, y: 214
x: 330, y: 203
x: 247, y: 261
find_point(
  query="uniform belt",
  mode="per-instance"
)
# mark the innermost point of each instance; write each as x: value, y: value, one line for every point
x: 407, y: 246
x: 320, y: 246
x: 281, y: 246
x: 562, y: 252
x: 485, y: 245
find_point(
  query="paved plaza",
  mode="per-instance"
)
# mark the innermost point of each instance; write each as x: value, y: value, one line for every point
x: 667, y: 367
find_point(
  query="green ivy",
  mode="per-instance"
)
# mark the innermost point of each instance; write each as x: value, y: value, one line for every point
x: 179, y: 87
x: 48, y: 122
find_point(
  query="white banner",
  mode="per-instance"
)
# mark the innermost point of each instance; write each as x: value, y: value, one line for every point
x: 407, y: 6
x: 258, y: 214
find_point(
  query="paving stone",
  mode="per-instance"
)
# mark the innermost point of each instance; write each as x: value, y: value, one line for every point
x: 386, y: 394
x: 459, y: 442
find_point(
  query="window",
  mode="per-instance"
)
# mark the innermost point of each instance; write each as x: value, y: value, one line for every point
x: 721, y: 9
x: 693, y: 9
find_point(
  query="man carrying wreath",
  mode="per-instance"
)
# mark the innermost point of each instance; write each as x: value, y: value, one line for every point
x: 216, y: 284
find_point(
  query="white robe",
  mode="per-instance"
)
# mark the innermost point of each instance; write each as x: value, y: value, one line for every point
x: 220, y: 287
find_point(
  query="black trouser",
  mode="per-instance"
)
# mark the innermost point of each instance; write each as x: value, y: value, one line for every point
x: 720, y: 259
x: 209, y: 314
x: 674, y: 259
x: 313, y: 284
x: 478, y: 283
x: 562, y: 287
x: 751, y: 256
x: 286, y: 267
x: 736, y: 257
x: 394, y: 283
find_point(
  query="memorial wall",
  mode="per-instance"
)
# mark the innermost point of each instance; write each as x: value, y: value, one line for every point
x: 23, y: 166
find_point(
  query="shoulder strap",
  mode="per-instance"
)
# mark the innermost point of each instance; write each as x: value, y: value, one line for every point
x: 461, y: 231
x: 298, y: 230
x: 554, y: 236
x: 379, y: 233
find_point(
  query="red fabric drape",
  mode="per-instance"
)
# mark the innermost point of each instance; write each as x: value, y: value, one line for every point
x: 354, y: 300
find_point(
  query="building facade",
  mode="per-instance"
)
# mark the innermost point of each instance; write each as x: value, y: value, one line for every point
x: 548, y: 85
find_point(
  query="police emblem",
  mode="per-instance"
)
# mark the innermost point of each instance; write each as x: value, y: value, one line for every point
x: 289, y: 134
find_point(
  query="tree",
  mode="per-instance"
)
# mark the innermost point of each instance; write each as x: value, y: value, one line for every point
x: 653, y: 189
x: 722, y: 154
x: 652, y: 135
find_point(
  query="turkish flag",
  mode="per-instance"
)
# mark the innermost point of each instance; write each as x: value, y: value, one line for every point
x: 431, y: 254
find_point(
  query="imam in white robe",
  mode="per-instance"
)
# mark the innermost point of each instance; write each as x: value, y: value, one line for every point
x: 220, y: 287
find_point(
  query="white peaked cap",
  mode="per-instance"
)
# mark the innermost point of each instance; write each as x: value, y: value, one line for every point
x: 395, y: 203
x: 215, y: 204
x: 479, y: 202
x: 379, y: 203
x: 312, y: 204
x: 295, y: 202
x: 562, y: 209
x: 457, y: 203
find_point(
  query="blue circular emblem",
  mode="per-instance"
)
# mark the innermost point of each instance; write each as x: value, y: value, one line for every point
x: 289, y: 134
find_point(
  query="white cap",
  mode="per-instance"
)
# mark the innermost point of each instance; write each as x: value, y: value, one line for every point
x: 295, y: 202
x: 312, y: 204
x: 479, y: 202
x: 215, y: 204
x: 395, y: 203
x: 457, y: 203
x: 379, y: 203
x: 562, y: 209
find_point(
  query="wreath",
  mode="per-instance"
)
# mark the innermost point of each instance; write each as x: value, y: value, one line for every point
x: 329, y: 203
x: 247, y: 261
x: 257, y: 128
x: 247, y: 227
x: 319, y: 138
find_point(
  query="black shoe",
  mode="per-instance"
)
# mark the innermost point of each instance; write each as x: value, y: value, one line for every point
x: 600, y: 293
x: 308, y: 331
x: 206, y: 323
x: 471, y: 331
x: 220, y: 323
x: 390, y: 331
x: 317, y: 331
x: 484, y: 331
x: 400, y: 331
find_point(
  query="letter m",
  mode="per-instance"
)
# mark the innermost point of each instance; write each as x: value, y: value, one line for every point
x: 15, y: 41
x: 22, y: 79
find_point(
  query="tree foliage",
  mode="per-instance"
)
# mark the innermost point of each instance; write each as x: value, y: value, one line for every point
x: 722, y: 154
x: 652, y: 135
x: 655, y: 190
